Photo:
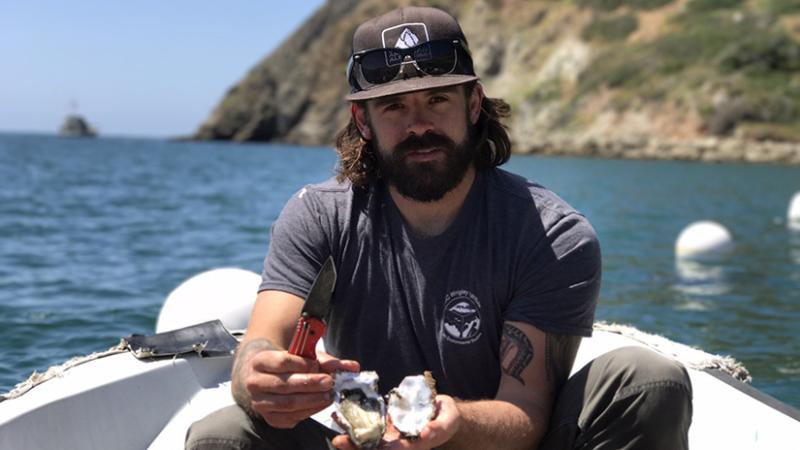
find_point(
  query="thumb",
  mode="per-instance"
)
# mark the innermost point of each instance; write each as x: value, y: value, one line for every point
x: 342, y: 442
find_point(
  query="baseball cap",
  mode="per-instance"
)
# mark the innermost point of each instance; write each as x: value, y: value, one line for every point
x: 405, y: 50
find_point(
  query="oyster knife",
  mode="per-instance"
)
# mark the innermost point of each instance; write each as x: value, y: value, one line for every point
x: 311, y: 324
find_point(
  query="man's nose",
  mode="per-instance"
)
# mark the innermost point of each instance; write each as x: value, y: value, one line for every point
x: 419, y: 121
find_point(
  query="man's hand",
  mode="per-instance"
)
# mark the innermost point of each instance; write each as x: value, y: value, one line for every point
x: 285, y: 389
x: 436, y: 432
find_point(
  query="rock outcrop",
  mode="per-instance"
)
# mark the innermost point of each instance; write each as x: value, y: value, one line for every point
x: 711, y: 80
x: 76, y: 126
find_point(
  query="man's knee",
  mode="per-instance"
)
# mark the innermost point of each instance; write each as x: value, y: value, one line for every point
x: 654, y: 384
x: 233, y: 428
x: 638, y: 368
x: 229, y: 428
x: 630, y: 398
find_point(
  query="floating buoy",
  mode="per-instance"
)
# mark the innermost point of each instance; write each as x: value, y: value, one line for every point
x: 703, y: 240
x: 227, y: 294
x: 793, y: 215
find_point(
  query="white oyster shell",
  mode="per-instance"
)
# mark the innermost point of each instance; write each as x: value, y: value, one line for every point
x: 411, y: 404
x: 360, y: 409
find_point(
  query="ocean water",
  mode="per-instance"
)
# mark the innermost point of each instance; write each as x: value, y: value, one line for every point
x: 94, y: 234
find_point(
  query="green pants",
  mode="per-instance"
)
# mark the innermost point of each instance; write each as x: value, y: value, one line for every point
x: 630, y: 398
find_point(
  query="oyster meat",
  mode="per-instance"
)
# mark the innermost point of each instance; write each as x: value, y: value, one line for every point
x: 361, y: 411
x: 411, y: 404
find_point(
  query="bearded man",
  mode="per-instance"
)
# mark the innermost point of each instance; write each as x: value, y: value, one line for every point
x: 446, y: 264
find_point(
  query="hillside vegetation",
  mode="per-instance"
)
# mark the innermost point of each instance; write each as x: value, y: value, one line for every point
x: 689, y: 79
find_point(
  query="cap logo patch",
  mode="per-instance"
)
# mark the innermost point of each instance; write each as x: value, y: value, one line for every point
x: 405, y: 35
x: 407, y: 39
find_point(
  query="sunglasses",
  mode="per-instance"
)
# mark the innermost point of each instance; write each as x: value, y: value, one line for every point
x: 382, y: 65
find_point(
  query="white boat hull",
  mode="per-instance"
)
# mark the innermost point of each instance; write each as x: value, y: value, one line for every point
x: 124, y: 403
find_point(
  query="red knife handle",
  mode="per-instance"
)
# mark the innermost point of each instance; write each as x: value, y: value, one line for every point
x: 309, y: 331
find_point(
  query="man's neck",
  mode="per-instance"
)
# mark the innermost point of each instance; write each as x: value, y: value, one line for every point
x: 428, y: 219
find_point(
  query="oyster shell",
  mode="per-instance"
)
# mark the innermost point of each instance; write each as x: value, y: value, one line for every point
x: 361, y: 410
x: 411, y: 404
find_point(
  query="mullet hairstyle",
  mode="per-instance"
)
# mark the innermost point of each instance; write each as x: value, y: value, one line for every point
x: 358, y: 161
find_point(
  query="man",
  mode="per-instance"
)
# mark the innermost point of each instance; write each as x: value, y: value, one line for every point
x: 446, y: 263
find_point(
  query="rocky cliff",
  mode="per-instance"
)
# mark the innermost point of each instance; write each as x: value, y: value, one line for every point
x: 677, y: 79
x: 76, y: 126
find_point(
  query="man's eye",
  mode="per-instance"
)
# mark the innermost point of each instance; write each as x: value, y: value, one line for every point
x: 393, y: 106
x: 438, y: 99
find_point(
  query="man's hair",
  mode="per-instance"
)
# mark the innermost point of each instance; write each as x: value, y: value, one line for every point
x: 358, y: 161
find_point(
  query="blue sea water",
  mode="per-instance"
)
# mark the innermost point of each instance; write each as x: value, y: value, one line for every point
x: 95, y: 233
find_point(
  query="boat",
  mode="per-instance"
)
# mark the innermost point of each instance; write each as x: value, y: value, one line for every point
x: 139, y: 395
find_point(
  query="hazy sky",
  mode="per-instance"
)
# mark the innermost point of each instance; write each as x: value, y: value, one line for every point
x: 145, y: 68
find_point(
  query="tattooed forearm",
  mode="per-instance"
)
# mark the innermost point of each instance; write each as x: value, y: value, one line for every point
x: 516, y: 352
x: 560, y: 351
x: 243, y: 354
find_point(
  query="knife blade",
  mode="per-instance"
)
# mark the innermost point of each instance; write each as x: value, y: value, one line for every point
x: 311, y: 324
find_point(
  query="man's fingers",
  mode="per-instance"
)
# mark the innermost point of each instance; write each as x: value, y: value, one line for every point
x: 288, y: 383
x: 330, y: 364
x: 283, y: 362
x: 291, y: 403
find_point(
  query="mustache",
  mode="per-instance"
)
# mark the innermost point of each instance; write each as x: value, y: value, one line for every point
x: 428, y: 140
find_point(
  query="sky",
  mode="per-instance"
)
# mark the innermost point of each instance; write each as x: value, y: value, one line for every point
x: 151, y: 68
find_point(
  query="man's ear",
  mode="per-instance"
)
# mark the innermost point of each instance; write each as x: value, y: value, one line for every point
x: 475, y: 102
x: 359, y: 114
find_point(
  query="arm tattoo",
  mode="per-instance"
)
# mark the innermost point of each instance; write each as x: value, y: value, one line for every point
x: 516, y: 352
x: 559, y: 353
x: 243, y: 353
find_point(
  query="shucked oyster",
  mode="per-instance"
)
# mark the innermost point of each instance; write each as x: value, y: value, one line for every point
x: 411, y: 404
x: 361, y: 410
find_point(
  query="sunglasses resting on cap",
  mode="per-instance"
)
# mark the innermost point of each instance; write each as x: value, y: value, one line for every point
x: 383, y: 65
x: 406, y: 50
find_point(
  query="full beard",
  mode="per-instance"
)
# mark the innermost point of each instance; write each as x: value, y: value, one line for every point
x: 427, y: 181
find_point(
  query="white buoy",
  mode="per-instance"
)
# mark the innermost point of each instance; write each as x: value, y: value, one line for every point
x: 793, y: 215
x: 703, y: 240
x: 226, y: 294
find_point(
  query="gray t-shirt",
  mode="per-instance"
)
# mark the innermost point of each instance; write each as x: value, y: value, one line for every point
x: 404, y: 304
